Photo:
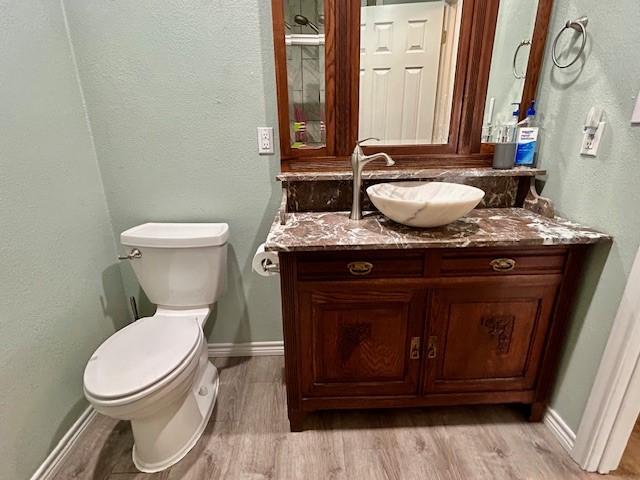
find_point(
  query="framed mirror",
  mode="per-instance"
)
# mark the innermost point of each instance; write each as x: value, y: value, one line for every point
x: 304, y: 38
x: 423, y: 76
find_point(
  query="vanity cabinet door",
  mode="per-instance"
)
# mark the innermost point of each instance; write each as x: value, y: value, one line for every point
x: 359, y: 339
x: 488, y: 335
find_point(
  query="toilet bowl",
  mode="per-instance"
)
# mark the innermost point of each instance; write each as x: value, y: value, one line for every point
x: 155, y: 372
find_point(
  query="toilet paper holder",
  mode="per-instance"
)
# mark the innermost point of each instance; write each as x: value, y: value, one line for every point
x: 265, y: 264
x: 269, y: 266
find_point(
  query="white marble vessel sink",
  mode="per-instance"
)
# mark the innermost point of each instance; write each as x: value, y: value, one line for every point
x: 424, y: 204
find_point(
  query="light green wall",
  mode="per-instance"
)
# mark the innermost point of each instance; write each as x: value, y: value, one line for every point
x: 602, y: 191
x: 175, y: 91
x: 60, y: 294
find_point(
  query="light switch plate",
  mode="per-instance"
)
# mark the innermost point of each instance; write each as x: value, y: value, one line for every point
x: 265, y: 140
x: 635, y: 118
x: 591, y: 149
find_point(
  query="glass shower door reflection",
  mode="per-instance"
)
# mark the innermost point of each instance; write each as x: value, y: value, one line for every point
x: 305, y: 44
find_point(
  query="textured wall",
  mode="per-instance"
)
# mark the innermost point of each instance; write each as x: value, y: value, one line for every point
x: 602, y: 191
x: 175, y: 90
x: 60, y: 295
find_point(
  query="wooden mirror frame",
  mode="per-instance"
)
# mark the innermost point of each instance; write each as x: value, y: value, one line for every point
x: 342, y: 84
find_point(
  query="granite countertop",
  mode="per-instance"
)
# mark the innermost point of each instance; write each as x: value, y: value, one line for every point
x: 490, y: 227
x: 411, y: 174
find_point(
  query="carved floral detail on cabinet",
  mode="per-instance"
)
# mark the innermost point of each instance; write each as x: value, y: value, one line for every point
x: 500, y: 327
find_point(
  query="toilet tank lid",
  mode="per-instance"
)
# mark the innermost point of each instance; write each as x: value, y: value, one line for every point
x: 176, y: 235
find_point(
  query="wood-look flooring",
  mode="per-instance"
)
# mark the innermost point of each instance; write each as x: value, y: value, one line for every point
x: 630, y: 464
x: 248, y: 438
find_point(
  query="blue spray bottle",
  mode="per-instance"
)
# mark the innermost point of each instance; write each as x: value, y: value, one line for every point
x: 527, y: 139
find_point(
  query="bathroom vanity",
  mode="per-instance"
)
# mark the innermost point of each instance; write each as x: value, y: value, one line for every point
x: 379, y: 315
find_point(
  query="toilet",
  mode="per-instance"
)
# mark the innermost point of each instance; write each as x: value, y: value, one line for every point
x: 155, y: 372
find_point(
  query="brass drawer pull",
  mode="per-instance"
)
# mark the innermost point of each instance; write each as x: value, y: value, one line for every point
x: 360, y: 268
x: 503, y: 264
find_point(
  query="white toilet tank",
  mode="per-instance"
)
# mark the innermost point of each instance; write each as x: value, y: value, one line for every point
x: 181, y: 265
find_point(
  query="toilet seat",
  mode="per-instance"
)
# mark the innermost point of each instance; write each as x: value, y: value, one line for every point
x: 142, y: 355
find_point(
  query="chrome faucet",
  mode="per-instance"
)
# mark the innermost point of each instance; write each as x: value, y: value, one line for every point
x: 358, y: 161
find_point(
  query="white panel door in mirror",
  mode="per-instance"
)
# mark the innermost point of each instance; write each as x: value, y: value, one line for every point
x: 403, y: 55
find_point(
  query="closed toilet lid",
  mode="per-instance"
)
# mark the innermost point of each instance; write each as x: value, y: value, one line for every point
x: 140, y: 355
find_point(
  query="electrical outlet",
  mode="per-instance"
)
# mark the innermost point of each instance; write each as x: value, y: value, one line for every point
x: 591, y: 143
x: 265, y: 140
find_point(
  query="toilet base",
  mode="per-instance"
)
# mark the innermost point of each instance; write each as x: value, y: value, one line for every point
x: 164, y: 439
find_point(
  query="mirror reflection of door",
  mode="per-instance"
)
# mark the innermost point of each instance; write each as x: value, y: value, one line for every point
x: 408, y: 53
x: 511, y: 48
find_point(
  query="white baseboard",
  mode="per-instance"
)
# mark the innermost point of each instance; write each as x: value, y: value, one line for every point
x: 250, y: 349
x: 560, y: 429
x: 50, y: 466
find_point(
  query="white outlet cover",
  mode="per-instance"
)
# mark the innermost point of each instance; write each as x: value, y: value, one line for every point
x: 635, y: 118
x: 592, y: 151
x: 265, y: 141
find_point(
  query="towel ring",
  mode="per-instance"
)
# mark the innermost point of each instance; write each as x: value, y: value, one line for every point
x: 518, y: 75
x: 580, y: 26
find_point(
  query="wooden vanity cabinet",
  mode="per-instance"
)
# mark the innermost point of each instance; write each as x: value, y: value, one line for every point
x: 396, y: 328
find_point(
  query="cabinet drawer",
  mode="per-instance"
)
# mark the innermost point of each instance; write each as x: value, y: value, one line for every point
x: 506, y: 262
x: 360, y: 265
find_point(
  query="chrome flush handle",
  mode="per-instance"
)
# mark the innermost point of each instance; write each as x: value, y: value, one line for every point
x: 135, y: 253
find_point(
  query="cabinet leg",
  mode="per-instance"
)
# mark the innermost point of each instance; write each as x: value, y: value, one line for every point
x: 536, y: 412
x: 296, y: 421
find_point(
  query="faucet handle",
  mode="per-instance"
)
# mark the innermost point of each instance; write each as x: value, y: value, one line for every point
x: 357, y: 151
x: 360, y: 142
